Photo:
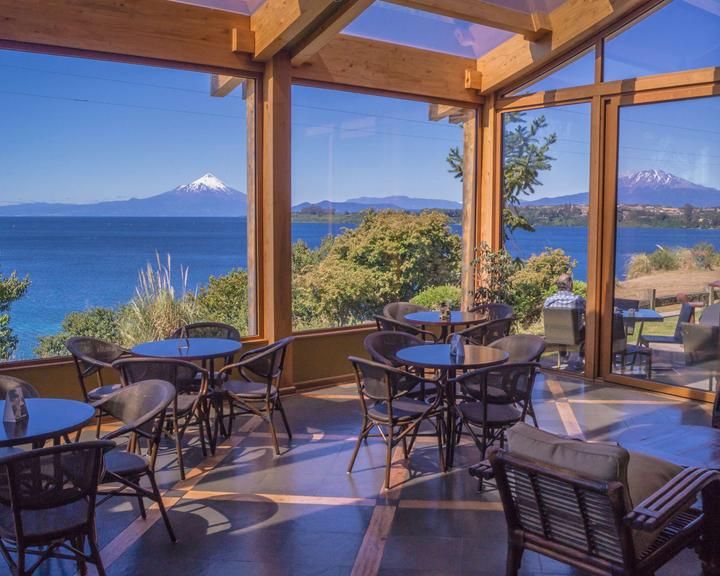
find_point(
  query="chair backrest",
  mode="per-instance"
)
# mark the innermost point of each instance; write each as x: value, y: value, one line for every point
x: 91, y: 355
x: 266, y: 362
x: 379, y: 382
x: 9, y: 382
x: 521, y: 347
x: 626, y: 304
x: 619, y: 335
x: 562, y: 326
x: 701, y: 343
x: 50, y: 478
x: 382, y: 346
x: 686, y: 314
x: 387, y: 324
x: 485, y: 333
x: 494, y: 311
x: 180, y: 373
x: 511, y: 383
x: 711, y: 315
x: 397, y: 310
x: 207, y: 330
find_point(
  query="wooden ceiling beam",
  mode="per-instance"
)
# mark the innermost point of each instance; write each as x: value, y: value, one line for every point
x: 393, y: 68
x: 573, y: 22
x: 221, y: 85
x: 485, y: 13
x: 330, y: 27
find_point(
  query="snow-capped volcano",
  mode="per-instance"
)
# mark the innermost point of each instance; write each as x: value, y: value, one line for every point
x: 206, y: 183
x: 655, y: 178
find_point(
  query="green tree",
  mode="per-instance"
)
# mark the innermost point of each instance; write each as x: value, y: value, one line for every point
x: 101, y: 323
x: 225, y: 299
x: 12, y: 288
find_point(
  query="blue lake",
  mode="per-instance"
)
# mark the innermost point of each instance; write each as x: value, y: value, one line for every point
x: 77, y: 263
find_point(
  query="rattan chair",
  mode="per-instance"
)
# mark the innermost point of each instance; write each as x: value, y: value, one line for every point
x: 485, y: 333
x: 494, y: 399
x: 521, y: 348
x: 256, y: 389
x: 599, y: 516
x: 398, y: 310
x: 387, y: 324
x: 209, y: 330
x: 47, y: 505
x: 382, y: 346
x: 141, y: 408
x: 8, y: 382
x: 190, y: 403
x: 622, y: 351
x: 494, y: 311
x: 385, y: 404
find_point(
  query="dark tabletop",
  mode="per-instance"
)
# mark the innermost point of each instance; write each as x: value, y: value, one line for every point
x: 432, y: 318
x: 199, y: 349
x: 644, y: 315
x: 683, y: 445
x: 438, y: 356
x: 47, y: 418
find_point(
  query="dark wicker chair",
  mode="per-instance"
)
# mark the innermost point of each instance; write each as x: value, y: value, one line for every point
x: 622, y: 351
x: 522, y: 348
x: 494, y: 399
x: 209, y: 330
x: 485, y: 333
x: 256, y: 390
x: 387, y: 324
x: 564, y: 330
x: 494, y: 311
x: 613, y: 522
x: 141, y: 408
x: 383, y: 392
x: 190, y: 403
x: 686, y: 314
x: 398, y: 310
x: 47, y: 505
x: 8, y: 382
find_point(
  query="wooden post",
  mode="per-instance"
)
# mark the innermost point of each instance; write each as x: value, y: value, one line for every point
x: 469, y: 209
x: 249, y: 95
x: 276, y: 190
x: 488, y: 191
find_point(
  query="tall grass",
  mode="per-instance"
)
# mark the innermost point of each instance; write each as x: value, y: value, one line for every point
x: 157, y: 310
x: 703, y: 256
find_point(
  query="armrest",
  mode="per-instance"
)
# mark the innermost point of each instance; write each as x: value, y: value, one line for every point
x: 482, y: 471
x: 676, y: 496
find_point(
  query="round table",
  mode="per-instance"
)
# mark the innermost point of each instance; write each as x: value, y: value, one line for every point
x: 47, y: 418
x: 457, y: 318
x: 438, y: 356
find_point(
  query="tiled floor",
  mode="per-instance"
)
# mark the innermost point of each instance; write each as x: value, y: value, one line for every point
x: 246, y: 511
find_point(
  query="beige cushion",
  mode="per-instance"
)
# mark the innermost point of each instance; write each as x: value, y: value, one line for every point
x: 642, y: 475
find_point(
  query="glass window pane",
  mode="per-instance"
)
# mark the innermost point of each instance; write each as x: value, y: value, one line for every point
x: 419, y: 29
x: 578, y: 72
x: 377, y: 205
x: 682, y: 35
x: 546, y: 176
x: 667, y: 249
x: 110, y: 168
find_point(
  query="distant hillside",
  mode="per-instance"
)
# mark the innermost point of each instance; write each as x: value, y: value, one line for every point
x: 376, y: 203
x: 647, y: 188
x: 206, y: 196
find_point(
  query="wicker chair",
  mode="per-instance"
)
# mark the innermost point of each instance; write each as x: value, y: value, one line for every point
x: 494, y: 311
x: 256, y: 389
x: 622, y: 350
x: 47, y: 505
x: 209, y: 330
x: 494, y: 399
x: 189, y: 405
x: 398, y: 310
x: 141, y: 408
x: 522, y: 348
x: 8, y: 382
x: 387, y: 324
x: 597, y: 507
x: 385, y: 404
x: 485, y: 333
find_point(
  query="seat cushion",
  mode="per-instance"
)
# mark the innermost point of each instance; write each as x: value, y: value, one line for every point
x: 402, y: 409
x: 642, y: 475
x: 124, y: 464
x: 251, y: 390
x: 102, y: 391
x: 497, y: 414
x: 51, y: 522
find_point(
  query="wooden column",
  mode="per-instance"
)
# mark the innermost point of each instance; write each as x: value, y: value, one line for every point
x: 470, y: 212
x: 489, y: 181
x: 249, y: 95
x: 275, y: 193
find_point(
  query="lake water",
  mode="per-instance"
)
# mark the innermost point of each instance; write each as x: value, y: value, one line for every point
x: 77, y: 263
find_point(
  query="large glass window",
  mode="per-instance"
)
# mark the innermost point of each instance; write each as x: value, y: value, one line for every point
x: 577, y: 72
x: 667, y: 246
x: 546, y: 177
x: 377, y: 204
x: 681, y: 35
x: 123, y: 202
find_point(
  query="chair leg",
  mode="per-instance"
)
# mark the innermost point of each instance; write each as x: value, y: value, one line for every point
x: 388, y: 456
x: 366, y: 427
x: 514, y: 560
x: 270, y: 413
x: 141, y: 503
x: 95, y: 554
x: 531, y: 413
x: 178, y: 446
x: 284, y: 418
x: 441, y: 452
x: 161, y: 505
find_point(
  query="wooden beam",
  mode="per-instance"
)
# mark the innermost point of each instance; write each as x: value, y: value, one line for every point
x: 156, y: 29
x: 278, y: 24
x: 221, y: 85
x: 331, y: 26
x: 473, y: 79
x: 573, y: 22
x: 381, y: 66
x: 485, y: 13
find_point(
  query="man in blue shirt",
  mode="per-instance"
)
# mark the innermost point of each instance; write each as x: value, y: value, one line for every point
x: 564, y: 297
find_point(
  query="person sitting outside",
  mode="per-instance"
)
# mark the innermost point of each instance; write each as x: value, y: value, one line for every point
x: 566, y: 298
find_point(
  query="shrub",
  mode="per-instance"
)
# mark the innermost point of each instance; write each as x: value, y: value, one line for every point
x: 432, y: 297
x: 225, y: 299
x: 663, y: 259
x: 705, y: 255
x: 101, y: 323
x: 639, y: 265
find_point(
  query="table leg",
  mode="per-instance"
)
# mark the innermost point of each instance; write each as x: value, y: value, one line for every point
x: 450, y: 398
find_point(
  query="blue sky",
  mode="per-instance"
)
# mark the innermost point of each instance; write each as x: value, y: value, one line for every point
x: 78, y: 130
